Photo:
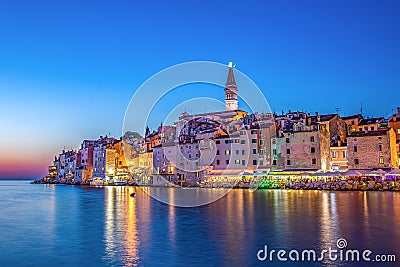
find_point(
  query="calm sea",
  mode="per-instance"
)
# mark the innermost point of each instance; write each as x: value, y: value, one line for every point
x: 48, y: 225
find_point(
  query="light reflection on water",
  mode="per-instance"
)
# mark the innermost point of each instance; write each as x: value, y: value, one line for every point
x: 70, y: 225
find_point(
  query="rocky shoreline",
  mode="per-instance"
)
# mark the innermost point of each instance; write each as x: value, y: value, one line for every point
x: 332, y: 185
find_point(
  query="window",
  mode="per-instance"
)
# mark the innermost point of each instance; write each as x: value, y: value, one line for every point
x: 226, y: 141
x: 356, y: 161
x: 314, y: 161
x: 237, y: 141
x: 379, y: 147
x: 360, y: 129
x: 288, y: 162
x: 274, y: 162
x: 242, y: 132
x: 334, y: 154
x: 217, y: 152
x: 274, y: 151
x: 355, y: 148
x: 197, y: 146
x: 254, y: 141
x: 227, y: 161
x: 312, y: 139
x: 366, y: 128
x: 218, y: 162
x: 261, y: 162
x: 189, y: 147
x: 237, y: 161
x: 243, y: 142
x: 243, y: 162
x: 254, y: 151
x: 372, y: 128
x: 352, y: 122
x: 287, y: 140
x: 261, y: 152
x: 227, y: 152
x: 197, y: 155
x: 254, y: 162
x: 398, y: 131
x: 190, y: 156
x: 288, y: 151
x: 381, y: 160
x: 253, y: 131
x: 312, y: 149
x: 243, y: 152
x: 344, y: 154
x: 261, y: 142
x: 237, y: 151
x: 218, y: 142
x: 261, y: 131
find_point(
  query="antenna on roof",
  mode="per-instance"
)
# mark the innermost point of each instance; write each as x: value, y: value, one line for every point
x: 361, y: 111
x: 337, y: 110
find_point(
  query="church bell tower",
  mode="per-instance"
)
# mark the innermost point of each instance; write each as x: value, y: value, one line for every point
x: 231, y: 91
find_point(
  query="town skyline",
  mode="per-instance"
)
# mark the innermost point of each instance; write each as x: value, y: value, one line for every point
x: 58, y: 74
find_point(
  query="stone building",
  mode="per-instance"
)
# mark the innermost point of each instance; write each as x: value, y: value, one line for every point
x: 306, y: 150
x: 352, y: 122
x: 372, y: 150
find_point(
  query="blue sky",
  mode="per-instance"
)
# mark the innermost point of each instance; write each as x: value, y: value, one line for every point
x: 68, y: 69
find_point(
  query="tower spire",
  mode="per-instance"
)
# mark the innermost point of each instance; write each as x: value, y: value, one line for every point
x: 231, y: 91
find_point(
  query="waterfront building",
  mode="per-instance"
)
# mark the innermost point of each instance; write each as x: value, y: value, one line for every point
x: 116, y: 166
x: 394, y: 123
x: 371, y: 150
x: 305, y: 150
x: 339, y: 159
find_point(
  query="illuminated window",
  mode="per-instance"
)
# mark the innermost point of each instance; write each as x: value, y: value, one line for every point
x: 253, y: 131
x: 381, y: 160
x: 237, y: 161
x: 227, y: 152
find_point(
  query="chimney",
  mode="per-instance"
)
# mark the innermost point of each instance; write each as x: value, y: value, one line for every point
x: 316, y: 113
x: 398, y: 110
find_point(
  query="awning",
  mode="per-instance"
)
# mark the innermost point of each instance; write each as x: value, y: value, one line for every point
x: 224, y: 173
